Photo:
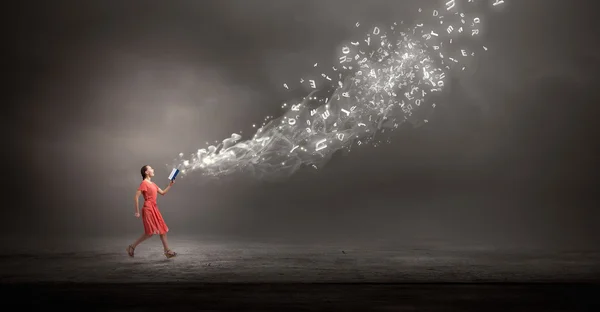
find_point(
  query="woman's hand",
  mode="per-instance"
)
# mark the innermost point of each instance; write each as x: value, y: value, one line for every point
x: 172, y: 182
x: 137, y: 214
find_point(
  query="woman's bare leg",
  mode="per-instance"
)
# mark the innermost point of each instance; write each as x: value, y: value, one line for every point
x: 141, y: 239
x: 163, y: 238
x: 168, y: 252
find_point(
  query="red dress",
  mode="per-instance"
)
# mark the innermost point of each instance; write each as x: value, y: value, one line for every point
x: 153, y: 220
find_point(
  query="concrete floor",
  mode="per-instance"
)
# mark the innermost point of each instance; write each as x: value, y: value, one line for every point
x: 229, y: 274
x: 228, y: 261
x: 305, y: 297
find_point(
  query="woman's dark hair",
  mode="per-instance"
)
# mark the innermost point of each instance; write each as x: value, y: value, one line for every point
x: 143, y: 171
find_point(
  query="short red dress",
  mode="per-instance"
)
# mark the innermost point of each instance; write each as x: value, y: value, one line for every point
x: 153, y: 220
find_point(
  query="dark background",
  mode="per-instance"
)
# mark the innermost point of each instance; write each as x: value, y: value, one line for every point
x: 98, y: 88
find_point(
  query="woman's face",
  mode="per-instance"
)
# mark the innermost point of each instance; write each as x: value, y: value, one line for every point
x: 150, y: 171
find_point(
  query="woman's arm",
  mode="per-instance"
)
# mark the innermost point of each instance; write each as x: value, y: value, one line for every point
x: 137, y: 202
x: 161, y: 192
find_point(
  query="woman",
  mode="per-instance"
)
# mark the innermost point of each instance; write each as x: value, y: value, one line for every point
x: 153, y: 220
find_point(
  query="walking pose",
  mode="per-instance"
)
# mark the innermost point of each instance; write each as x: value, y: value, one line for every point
x: 151, y: 217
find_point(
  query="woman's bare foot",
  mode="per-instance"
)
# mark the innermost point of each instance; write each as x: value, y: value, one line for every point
x: 130, y: 250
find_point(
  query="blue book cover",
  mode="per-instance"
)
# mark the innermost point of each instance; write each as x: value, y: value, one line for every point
x: 173, y: 174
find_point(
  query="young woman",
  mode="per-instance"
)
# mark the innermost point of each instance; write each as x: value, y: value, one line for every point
x: 153, y: 220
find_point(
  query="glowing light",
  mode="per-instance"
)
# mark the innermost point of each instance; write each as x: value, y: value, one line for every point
x: 381, y: 82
